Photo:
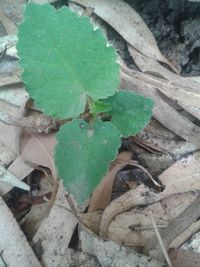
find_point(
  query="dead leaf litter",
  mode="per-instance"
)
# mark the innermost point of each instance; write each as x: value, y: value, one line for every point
x: 145, y: 211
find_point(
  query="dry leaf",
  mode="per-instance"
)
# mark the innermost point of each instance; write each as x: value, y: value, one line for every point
x: 56, y: 230
x: 134, y: 228
x: 38, y: 149
x: 10, y: 79
x: 181, y: 177
x: 39, y: 212
x: 102, y: 195
x: 9, y: 26
x: 14, y: 247
x: 111, y: 254
x: 184, y: 258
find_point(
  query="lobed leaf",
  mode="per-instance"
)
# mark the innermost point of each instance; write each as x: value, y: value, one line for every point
x: 130, y: 112
x: 99, y: 107
x: 83, y: 154
x: 64, y: 60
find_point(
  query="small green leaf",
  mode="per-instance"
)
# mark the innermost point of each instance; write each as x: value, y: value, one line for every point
x: 64, y: 60
x: 83, y: 153
x: 99, y: 107
x: 130, y: 112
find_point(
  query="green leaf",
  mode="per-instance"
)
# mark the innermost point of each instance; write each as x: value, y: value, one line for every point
x: 130, y: 112
x: 99, y: 107
x: 83, y: 153
x: 64, y: 59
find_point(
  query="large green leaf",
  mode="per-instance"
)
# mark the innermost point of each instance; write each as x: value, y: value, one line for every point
x: 64, y: 59
x: 83, y: 153
x: 130, y: 112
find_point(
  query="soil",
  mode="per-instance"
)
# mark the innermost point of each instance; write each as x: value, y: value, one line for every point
x: 175, y: 26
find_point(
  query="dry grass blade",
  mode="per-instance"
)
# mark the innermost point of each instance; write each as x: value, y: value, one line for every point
x: 175, y: 228
x: 160, y: 241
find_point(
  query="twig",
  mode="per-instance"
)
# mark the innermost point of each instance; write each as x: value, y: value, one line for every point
x: 176, y: 227
x: 40, y: 123
x: 160, y: 240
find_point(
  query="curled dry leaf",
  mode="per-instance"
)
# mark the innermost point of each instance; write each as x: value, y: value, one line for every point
x: 181, y: 177
x: 131, y: 27
x: 102, y: 195
x: 39, y: 212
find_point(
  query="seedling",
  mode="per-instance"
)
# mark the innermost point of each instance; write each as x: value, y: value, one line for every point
x: 71, y: 72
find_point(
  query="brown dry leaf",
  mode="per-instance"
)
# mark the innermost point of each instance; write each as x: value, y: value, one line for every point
x: 39, y: 212
x: 184, y: 258
x: 56, y: 230
x: 181, y: 177
x: 102, y: 195
x: 91, y: 220
x: 38, y: 149
x: 131, y: 27
x: 135, y: 229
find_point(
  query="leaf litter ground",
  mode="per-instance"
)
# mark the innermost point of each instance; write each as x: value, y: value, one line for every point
x: 152, y: 148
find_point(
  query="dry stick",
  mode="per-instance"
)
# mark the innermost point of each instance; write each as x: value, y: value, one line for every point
x: 176, y: 227
x: 39, y: 123
x: 160, y: 240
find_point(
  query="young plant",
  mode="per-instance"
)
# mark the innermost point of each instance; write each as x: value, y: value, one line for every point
x: 71, y: 72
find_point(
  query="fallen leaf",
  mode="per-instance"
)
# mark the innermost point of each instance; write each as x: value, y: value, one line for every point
x: 9, y: 26
x: 181, y: 177
x: 102, y: 195
x: 111, y: 254
x: 38, y: 149
x: 184, y: 258
x: 11, y: 234
x: 56, y: 230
